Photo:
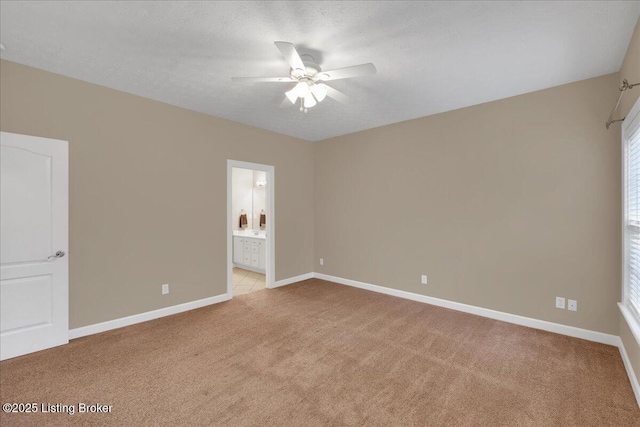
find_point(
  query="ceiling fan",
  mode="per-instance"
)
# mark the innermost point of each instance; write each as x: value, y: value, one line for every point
x: 309, y: 78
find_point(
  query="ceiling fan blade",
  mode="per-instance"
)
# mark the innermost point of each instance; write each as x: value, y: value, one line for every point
x: 262, y: 79
x: 337, y: 95
x: 347, y: 72
x: 291, y: 55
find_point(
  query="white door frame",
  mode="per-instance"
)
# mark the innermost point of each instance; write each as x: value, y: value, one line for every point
x: 271, y: 235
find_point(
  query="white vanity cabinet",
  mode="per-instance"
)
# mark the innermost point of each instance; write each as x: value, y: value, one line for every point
x: 249, y: 252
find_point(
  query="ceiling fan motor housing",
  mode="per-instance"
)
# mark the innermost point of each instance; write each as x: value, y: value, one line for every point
x: 311, y: 68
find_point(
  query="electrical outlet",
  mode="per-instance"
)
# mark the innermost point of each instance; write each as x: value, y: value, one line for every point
x: 560, y: 302
x: 572, y: 305
x: 423, y: 279
x: 321, y: 261
x: 165, y: 289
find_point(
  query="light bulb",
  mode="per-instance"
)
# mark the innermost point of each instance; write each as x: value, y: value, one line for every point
x: 319, y: 91
x: 302, y: 89
x: 309, y: 101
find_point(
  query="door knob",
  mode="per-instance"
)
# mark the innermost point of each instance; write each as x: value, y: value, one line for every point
x: 58, y: 254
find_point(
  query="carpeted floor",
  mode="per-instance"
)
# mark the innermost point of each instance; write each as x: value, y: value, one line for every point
x: 320, y: 354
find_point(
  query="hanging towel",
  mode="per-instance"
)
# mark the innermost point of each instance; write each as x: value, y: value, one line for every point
x: 243, y: 220
x: 263, y: 219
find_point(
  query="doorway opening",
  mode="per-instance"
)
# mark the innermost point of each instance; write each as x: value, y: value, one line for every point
x: 250, y: 227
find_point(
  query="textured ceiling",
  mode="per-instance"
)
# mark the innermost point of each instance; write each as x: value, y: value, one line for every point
x: 431, y: 56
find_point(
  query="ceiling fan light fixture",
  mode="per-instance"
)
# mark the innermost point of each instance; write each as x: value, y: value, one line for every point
x: 309, y: 101
x: 319, y: 91
x: 309, y: 78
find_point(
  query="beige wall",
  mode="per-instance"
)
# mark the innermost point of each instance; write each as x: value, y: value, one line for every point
x: 148, y: 191
x: 504, y: 205
x: 631, y: 71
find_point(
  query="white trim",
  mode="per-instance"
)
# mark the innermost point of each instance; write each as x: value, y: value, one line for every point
x: 557, y: 328
x: 630, y: 373
x: 271, y: 229
x: 295, y: 279
x: 144, y: 317
x: 631, y: 320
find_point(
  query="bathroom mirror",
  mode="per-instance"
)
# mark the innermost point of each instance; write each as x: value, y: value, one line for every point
x: 259, y: 200
x: 249, y: 197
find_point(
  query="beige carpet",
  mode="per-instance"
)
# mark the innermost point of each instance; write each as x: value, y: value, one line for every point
x: 316, y: 353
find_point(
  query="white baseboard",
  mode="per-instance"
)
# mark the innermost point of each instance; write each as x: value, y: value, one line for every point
x: 143, y: 317
x: 557, y: 328
x: 630, y: 373
x: 631, y: 321
x: 295, y: 279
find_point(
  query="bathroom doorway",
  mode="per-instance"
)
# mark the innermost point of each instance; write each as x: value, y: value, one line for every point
x: 250, y: 227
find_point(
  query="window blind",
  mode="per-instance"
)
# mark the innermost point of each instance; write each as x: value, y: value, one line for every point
x: 632, y: 226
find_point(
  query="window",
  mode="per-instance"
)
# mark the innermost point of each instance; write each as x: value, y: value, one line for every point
x: 631, y: 210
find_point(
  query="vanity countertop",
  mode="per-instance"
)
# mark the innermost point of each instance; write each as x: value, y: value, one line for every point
x: 250, y: 233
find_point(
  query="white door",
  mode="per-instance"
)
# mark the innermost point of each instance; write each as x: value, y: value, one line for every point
x: 34, y: 281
